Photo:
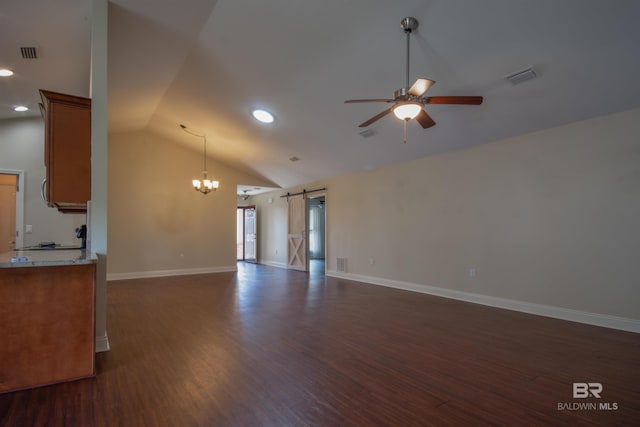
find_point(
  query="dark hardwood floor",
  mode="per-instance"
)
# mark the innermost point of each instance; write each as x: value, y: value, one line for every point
x: 272, y: 347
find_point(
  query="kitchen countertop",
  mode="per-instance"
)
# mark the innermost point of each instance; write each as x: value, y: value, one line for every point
x: 41, y: 258
x: 51, y: 247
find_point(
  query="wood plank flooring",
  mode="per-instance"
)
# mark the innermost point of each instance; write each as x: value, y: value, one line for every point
x: 272, y: 347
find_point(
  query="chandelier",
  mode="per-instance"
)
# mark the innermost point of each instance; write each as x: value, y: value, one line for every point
x: 204, y: 185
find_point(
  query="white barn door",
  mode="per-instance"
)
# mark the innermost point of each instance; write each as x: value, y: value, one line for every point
x: 296, y: 234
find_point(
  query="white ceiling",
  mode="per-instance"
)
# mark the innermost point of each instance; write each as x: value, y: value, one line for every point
x: 207, y: 63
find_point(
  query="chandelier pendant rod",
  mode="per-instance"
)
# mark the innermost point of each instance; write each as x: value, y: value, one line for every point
x: 205, y: 153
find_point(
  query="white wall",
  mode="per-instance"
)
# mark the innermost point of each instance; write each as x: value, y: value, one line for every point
x: 22, y: 148
x: 549, y: 218
x: 97, y: 234
x: 158, y: 224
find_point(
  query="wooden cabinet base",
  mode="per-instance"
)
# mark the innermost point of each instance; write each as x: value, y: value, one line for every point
x: 47, y: 318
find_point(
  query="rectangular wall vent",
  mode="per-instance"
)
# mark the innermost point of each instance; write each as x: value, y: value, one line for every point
x: 342, y: 265
x: 29, y: 52
x: 521, y: 76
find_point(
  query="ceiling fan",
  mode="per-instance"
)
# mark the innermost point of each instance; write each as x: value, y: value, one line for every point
x: 408, y: 102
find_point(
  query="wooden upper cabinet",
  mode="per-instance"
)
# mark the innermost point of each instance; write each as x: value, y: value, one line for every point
x: 67, y: 151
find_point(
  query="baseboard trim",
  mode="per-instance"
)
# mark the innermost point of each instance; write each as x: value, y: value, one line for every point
x: 613, y: 322
x: 102, y: 343
x: 167, y: 273
x: 273, y: 263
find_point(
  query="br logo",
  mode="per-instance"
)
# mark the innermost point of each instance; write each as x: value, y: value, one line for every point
x: 584, y: 390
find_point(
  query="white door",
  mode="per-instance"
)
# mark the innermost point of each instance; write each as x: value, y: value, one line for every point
x: 296, y: 236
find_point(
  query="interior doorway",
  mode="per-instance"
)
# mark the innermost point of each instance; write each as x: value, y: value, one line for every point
x: 317, y: 233
x: 246, y: 234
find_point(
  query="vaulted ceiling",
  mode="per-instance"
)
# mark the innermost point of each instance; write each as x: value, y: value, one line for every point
x: 207, y: 64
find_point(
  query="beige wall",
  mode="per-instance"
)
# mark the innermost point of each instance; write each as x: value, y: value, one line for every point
x: 22, y: 148
x: 549, y: 218
x: 272, y: 228
x: 157, y: 222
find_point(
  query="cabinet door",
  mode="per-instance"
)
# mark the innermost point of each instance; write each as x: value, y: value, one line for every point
x: 67, y: 151
x: 47, y: 325
x: 69, y: 168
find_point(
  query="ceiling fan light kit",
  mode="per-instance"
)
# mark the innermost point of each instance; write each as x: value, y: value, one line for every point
x: 407, y: 110
x: 409, y: 101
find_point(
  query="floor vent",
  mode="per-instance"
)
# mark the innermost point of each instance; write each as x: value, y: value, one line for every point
x: 29, y: 52
x: 342, y: 265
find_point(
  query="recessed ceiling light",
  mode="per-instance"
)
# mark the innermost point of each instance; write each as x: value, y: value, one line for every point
x: 263, y: 116
x: 5, y: 72
x: 20, y: 108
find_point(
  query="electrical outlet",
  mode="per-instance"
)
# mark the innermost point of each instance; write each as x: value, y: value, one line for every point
x: 28, y: 229
x: 472, y: 272
x: 372, y: 261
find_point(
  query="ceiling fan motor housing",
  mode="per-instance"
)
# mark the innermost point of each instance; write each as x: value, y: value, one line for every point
x: 409, y: 24
x: 401, y: 93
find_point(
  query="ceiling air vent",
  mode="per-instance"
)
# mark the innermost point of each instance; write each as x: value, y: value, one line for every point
x: 521, y: 76
x: 29, y: 52
x: 367, y: 133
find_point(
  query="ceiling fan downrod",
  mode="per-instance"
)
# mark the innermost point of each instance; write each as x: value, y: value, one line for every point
x: 408, y: 25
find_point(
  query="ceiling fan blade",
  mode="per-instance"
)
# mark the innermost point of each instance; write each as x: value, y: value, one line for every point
x: 349, y: 101
x: 375, y: 118
x: 464, y: 100
x: 420, y: 87
x: 425, y: 119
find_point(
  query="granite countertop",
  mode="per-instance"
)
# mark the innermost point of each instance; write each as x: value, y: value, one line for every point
x: 41, y: 258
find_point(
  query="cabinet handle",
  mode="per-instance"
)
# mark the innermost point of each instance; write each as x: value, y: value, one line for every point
x: 44, y: 182
x: 42, y: 193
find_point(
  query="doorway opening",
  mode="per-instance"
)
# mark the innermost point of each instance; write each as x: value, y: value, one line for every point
x: 317, y: 234
x: 11, y: 209
x: 246, y: 234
